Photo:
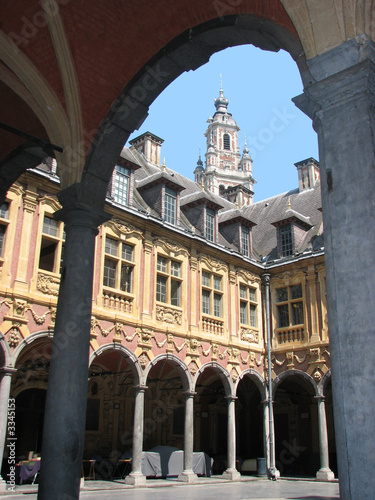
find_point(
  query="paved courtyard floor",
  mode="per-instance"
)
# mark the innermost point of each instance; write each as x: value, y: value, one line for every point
x: 213, y: 488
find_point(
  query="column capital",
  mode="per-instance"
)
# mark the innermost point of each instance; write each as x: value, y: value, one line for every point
x: 76, y: 212
x: 352, y: 83
x: 189, y: 394
x: 320, y: 398
x: 231, y: 398
x: 266, y: 278
x: 140, y: 388
x: 7, y: 370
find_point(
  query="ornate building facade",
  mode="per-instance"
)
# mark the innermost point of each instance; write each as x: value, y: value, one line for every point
x: 189, y: 277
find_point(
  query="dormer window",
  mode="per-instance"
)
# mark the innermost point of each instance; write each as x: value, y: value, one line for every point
x: 226, y: 141
x: 286, y: 240
x: 210, y: 224
x: 291, y: 230
x: 245, y: 241
x: 121, y: 185
x: 170, y: 205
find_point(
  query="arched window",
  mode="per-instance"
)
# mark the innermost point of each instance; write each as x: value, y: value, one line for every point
x: 226, y: 140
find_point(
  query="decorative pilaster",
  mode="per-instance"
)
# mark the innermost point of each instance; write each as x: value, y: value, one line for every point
x: 147, y: 272
x: 231, y: 472
x: 136, y: 477
x: 324, y: 473
x: 314, y: 326
x: 187, y: 475
x: 65, y: 410
x: 30, y: 201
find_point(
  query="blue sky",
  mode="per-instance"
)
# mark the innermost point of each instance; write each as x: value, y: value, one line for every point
x: 259, y: 86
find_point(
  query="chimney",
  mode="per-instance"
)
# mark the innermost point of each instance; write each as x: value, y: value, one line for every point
x: 149, y: 145
x: 308, y: 173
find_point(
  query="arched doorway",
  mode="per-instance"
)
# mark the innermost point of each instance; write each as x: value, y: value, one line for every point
x: 211, y: 417
x: 30, y: 405
x: 296, y: 428
x: 164, y: 407
x: 249, y: 421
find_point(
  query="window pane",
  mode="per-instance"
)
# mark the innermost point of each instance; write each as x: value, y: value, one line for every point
x: 217, y: 282
x: 4, y: 210
x: 175, y: 268
x: 127, y: 252
x: 286, y: 240
x: 210, y: 224
x: 161, y: 289
x: 109, y: 274
x: 121, y: 191
x: 252, y: 295
x: 111, y: 246
x: 162, y: 264
x: 243, y: 292
x: 245, y: 240
x: 253, y: 315
x: 205, y: 302
x: 206, y: 279
x: 126, y: 278
x: 47, y: 255
x: 50, y: 226
x: 297, y: 311
x: 217, y: 305
x: 2, y: 240
x: 282, y: 294
x: 170, y: 205
x: 226, y: 139
x: 175, y: 292
x: 296, y: 291
x: 243, y: 313
x: 283, y: 316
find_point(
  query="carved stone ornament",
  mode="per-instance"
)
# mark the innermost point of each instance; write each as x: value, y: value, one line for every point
x: 193, y: 368
x: 214, y: 265
x: 194, y: 345
x: 121, y: 227
x: 143, y: 360
x: 247, y: 276
x: 317, y: 375
x: 144, y: 337
x: 13, y: 338
x: 170, y: 248
x: 290, y: 359
x: 48, y: 284
x: 234, y: 374
x: 168, y: 315
x: 249, y: 335
x: 233, y: 355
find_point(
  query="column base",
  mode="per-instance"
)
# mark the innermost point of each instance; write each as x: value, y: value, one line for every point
x: 232, y: 475
x: 3, y: 485
x: 136, y: 479
x: 274, y: 474
x: 188, y: 476
x: 325, y: 475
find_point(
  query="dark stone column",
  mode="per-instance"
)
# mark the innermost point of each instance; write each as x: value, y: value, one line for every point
x: 231, y: 472
x: 65, y: 414
x: 342, y: 104
x: 187, y: 475
x: 136, y: 476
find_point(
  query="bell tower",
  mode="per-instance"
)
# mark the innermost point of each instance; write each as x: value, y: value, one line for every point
x: 226, y: 171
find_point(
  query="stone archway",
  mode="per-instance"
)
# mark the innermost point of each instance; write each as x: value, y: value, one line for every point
x: 296, y: 426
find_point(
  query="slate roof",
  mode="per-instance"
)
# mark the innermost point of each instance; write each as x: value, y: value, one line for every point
x: 303, y: 207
